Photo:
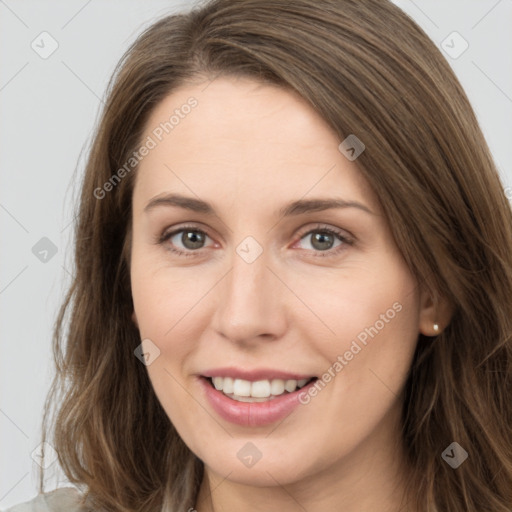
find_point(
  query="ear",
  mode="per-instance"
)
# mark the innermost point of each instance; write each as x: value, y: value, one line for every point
x: 435, y: 311
x: 134, y: 319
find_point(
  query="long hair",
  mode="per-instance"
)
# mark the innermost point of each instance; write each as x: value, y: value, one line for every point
x: 369, y: 70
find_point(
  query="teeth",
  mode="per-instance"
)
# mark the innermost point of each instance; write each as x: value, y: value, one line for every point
x: 260, y: 389
x: 245, y: 390
x: 290, y: 385
x: 241, y: 387
x: 228, y: 385
x: 217, y: 382
x: 277, y: 387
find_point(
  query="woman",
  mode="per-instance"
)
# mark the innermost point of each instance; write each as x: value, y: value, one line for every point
x: 293, y: 275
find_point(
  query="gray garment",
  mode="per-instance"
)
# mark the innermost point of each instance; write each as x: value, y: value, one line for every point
x: 65, y: 499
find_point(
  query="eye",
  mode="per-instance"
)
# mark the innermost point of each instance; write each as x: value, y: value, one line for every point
x: 192, y: 240
x: 324, y: 238
x: 190, y: 237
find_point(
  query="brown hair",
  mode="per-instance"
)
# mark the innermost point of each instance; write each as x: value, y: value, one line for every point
x: 368, y: 70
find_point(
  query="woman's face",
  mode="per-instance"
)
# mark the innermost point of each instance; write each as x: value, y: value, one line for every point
x: 267, y: 287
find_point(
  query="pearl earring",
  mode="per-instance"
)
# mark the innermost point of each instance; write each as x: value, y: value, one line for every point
x: 436, y: 327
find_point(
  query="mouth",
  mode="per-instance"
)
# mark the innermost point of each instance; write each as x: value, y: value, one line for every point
x: 265, y: 390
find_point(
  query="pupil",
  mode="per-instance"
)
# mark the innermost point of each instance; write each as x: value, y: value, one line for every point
x: 321, y: 237
x: 192, y: 239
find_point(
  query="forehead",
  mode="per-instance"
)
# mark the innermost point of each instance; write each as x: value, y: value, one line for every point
x: 242, y: 138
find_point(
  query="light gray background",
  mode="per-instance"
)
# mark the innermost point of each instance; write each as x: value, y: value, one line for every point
x: 48, y: 109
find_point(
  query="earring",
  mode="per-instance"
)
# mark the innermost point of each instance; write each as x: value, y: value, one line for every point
x: 436, y: 328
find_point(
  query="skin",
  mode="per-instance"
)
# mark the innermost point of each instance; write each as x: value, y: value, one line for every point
x: 248, y: 149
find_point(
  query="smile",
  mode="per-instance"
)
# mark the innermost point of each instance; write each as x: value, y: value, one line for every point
x: 257, y: 402
x: 256, y: 391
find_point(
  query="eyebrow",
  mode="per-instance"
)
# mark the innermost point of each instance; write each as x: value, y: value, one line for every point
x: 298, y: 207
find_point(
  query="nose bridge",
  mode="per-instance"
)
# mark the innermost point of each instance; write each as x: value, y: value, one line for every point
x: 250, y: 301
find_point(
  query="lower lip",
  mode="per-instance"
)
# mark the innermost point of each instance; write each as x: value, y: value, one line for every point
x: 252, y: 414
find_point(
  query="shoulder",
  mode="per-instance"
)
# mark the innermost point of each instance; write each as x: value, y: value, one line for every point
x: 65, y: 499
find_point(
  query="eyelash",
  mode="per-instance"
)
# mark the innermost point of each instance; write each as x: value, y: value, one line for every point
x: 322, y: 229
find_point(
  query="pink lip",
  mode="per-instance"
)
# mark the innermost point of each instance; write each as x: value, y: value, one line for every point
x: 254, y: 375
x: 255, y: 414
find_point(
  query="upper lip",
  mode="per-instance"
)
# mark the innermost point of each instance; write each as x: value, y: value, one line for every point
x: 255, y: 374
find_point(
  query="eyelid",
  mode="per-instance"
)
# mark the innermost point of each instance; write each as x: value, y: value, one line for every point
x: 343, y: 233
x: 167, y: 233
x: 344, y: 236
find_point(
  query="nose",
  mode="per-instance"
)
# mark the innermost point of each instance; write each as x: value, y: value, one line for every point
x: 252, y: 302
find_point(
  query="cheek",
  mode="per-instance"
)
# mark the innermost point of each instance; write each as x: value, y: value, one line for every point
x: 370, y: 302
x: 370, y: 321
x: 163, y: 297
x: 163, y: 304
x: 376, y: 322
